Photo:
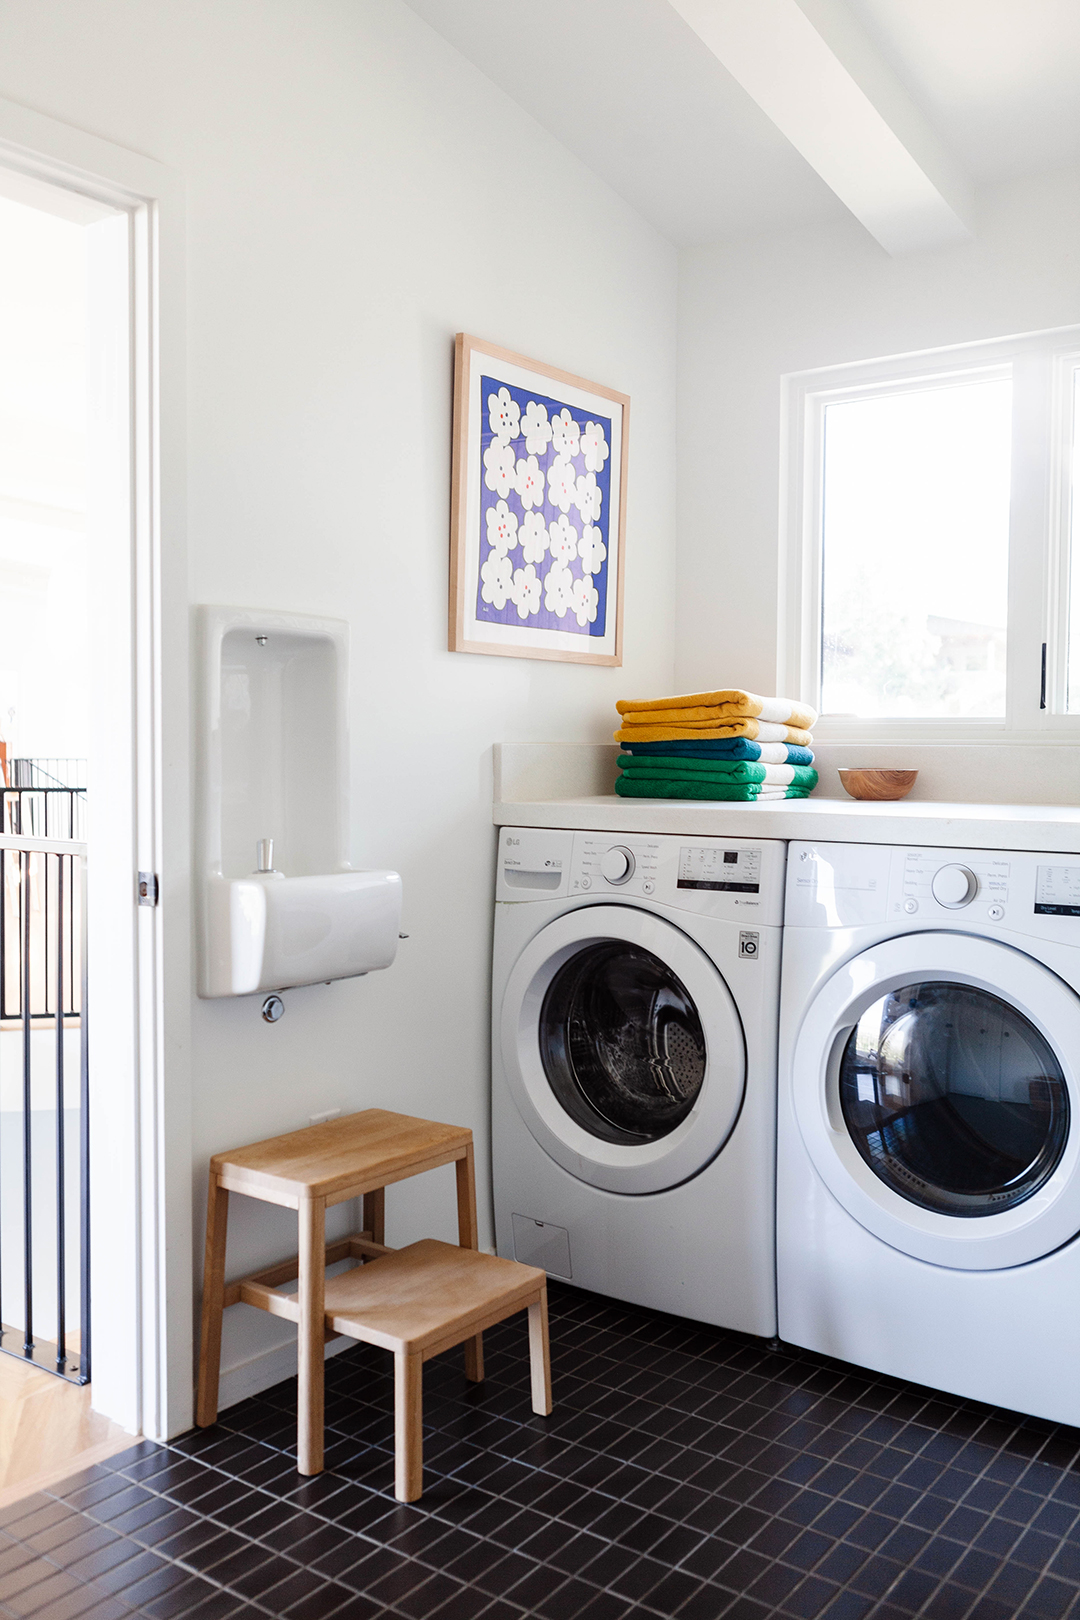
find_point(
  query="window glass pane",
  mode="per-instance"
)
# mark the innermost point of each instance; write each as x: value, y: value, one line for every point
x: 915, y: 552
x: 1073, y: 700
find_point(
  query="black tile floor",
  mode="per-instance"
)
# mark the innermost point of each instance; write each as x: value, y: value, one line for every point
x: 685, y: 1472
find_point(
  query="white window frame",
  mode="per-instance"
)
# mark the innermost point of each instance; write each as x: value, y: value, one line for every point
x: 1042, y: 366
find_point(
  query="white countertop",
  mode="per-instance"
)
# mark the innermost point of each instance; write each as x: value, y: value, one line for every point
x: 1051, y: 827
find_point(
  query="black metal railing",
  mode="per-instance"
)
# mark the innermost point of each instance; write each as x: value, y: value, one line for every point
x: 44, y: 798
x: 44, y: 1119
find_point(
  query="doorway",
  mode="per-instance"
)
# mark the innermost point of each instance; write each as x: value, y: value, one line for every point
x: 55, y: 531
x: 89, y: 602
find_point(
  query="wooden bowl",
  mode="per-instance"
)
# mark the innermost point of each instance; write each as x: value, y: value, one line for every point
x: 868, y: 784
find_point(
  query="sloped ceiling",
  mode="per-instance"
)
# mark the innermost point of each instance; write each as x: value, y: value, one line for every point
x: 637, y: 96
x: 630, y: 89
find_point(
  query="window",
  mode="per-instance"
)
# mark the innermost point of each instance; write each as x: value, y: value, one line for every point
x: 933, y: 549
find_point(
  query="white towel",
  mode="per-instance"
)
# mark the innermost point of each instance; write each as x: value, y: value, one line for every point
x: 771, y: 754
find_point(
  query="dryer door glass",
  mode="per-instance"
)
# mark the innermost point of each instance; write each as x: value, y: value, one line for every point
x: 621, y: 1043
x: 953, y: 1098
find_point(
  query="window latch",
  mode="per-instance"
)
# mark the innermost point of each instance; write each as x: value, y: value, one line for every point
x: 1042, y: 682
x: 148, y: 889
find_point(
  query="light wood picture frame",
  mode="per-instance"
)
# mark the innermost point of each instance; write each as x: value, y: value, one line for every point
x: 538, y: 509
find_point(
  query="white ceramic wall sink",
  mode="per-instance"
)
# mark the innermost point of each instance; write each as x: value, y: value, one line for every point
x: 274, y: 765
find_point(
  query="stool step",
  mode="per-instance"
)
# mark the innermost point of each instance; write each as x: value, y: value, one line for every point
x: 347, y: 1155
x: 428, y: 1296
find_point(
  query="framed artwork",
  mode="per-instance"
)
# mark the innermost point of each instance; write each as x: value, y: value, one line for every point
x: 538, y: 507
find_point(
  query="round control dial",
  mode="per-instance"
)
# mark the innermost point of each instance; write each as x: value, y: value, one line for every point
x: 617, y: 864
x: 954, y: 886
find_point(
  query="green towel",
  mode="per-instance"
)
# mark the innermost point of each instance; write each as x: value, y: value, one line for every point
x: 689, y: 787
x: 721, y: 771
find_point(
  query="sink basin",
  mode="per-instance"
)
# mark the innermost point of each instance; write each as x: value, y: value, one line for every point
x: 271, y: 932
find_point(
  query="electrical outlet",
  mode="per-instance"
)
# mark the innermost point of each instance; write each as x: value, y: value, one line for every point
x: 321, y: 1119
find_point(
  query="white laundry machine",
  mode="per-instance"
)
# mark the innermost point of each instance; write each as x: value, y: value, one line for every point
x: 635, y: 1005
x: 928, y: 1161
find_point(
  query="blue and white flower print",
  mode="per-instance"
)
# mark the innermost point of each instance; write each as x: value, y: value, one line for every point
x: 534, y: 537
x: 496, y: 580
x: 558, y: 590
x: 502, y: 527
x: 562, y: 483
x: 584, y: 601
x: 565, y: 434
x: 503, y: 414
x: 562, y: 541
x: 536, y: 428
x: 587, y: 497
x: 591, y: 549
x: 526, y: 591
x: 594, y: 447
x: 500, y: 467
x: 529, y: 482
x: 545, y: 507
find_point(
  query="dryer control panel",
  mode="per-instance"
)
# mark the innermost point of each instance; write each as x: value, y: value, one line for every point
x: 978, y: 890
x: 929, y: 878
x: 1057, y: 890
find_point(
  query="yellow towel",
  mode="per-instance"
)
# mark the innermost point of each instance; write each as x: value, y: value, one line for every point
x: 717, y: 707
x: 760, y: 730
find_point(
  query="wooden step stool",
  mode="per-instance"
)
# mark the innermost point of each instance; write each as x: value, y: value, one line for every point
x: 309, y: 1171
x: 426, y: 1298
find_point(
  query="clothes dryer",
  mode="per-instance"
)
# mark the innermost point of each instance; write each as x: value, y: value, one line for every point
x: 634, y: 1016
x: 928, y: 1170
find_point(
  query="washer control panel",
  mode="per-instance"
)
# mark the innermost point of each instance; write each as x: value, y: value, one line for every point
x: 740, y: 879
x: 718, y: 870
x: 606, y: 863
x: 715, y: 877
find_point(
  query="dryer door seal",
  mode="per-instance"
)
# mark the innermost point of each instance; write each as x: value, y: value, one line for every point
x: 935, y: 1093
x: 623, y: 1049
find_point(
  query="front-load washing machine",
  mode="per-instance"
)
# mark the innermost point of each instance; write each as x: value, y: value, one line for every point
x: 928, y: 1165
x: 635, y: 1006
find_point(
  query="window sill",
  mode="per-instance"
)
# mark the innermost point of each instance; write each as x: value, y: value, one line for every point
x: 1004, y: 768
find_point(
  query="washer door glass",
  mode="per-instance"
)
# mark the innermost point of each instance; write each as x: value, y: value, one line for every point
x: 621, y: 1043
x: 953, y: 1098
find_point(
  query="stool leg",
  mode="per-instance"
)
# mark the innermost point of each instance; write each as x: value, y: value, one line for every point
x: 217, y: 1221
x: 468, y: 1238
x: 311, y: 1336
x: 540, y: 1355
x: 474, y: 1359
x: 374, y: 1214
x: 408, y: 1425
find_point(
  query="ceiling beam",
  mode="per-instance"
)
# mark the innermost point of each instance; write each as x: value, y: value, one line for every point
x: 812, y: 69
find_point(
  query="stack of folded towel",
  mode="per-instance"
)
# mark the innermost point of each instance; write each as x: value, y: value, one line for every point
x: 716, y: 745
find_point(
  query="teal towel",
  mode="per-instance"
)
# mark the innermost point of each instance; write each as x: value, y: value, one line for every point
x: 724, y: 748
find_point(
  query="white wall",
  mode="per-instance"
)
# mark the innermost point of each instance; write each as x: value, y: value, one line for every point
x: 356, y: 193
x: 750, y: 312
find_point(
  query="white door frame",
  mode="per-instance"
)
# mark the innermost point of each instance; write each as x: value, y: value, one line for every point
x: 139, y: 958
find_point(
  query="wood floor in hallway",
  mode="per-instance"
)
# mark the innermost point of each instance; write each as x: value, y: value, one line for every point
x: 47, y: 1430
